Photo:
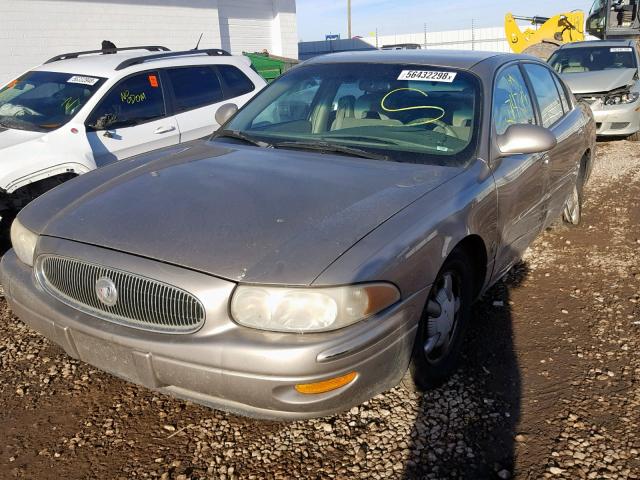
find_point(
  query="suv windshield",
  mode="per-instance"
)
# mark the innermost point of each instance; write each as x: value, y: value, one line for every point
x: 406, y: 113
x: 43, y: 101
x: 592, y: 59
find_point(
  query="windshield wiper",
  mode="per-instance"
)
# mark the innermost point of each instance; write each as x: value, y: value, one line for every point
x: 332, y: 147
x: 15, y: 124
x: 362, y: 138
x: 241, y: 136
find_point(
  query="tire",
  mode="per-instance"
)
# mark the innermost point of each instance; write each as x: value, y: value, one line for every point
x: 429, y: 370
x: 542, y: 50
x: 572, y: 212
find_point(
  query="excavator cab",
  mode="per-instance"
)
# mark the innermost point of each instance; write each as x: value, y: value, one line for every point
x: 614, y: 19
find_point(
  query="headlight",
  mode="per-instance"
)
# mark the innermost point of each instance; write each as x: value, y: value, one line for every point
x: 24, y: 242
x: 309, y: 309
x: 621, y: 98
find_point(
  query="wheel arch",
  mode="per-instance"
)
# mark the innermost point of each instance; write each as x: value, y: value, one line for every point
x: 17, y: 198
x: 586, y: 164
x: 476, y: 250
x: 45, y: 174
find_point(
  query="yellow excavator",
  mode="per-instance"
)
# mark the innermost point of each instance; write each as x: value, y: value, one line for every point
x: 607, y: 19
x: 549, y: 34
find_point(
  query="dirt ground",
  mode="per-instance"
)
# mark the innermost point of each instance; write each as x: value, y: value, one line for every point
x: 549, y: 386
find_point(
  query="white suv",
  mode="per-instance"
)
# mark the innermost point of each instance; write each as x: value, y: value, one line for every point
x: 82, y: 110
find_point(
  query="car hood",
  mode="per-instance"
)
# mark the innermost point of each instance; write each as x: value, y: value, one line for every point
x: 599, y: 82
x: 241, y: 213
x: 10, y: 137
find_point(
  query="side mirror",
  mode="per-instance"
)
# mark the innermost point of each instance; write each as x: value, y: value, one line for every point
x: 225, y: 112
x: 524, y: 138
x: 104, y: 122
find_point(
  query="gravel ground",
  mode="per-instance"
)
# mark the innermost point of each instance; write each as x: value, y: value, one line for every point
x: 549, y: 386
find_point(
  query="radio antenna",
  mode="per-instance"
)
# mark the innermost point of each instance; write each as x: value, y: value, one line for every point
x: 198, y: 44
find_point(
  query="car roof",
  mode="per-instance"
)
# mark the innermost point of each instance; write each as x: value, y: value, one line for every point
x: 104, y: 65
x: 600, y: 43
x: 462, y: 59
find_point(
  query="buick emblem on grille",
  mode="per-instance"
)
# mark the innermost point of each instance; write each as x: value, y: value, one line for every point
x: 106, y: 291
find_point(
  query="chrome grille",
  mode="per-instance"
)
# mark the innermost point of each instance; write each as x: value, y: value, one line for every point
x: 141, y: 302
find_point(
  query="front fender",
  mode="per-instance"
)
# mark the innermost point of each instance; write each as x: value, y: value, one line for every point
x: 51, y: 171
x: 410, y: 248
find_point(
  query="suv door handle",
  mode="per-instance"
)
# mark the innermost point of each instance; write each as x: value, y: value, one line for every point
x: 161, y: 130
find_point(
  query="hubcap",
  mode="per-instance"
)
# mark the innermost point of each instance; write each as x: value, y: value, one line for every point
x: 441, y: 328
x: 572, y: 207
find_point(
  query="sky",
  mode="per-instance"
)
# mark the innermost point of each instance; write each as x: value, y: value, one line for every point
x: 317, y: 18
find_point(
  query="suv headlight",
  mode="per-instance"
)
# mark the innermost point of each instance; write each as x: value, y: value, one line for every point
x: 621, y: 98
x: 305, y: 310
x: 24, y: 242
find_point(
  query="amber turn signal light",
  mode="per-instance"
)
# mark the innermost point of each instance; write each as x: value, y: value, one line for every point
x: 326, y: 385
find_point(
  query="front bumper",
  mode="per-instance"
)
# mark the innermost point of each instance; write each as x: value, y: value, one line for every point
x: 223, y: 365
x: 616, y: 120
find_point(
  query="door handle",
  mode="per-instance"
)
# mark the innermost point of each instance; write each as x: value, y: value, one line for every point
x: 545, y: 159
x: 161, y: 130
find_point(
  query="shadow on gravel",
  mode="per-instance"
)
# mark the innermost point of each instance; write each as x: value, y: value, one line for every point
x: 480, y: 406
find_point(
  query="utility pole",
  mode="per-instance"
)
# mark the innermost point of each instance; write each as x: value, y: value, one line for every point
x: 349, y: 18
x: 425, y: 37
x: 473, y: 34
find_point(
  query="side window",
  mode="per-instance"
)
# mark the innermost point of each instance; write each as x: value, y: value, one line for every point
x: 236, y: 83
x: 546, y: 92
x: 137, y: 99
x: 511, y: 100
x: 566, y: 103
x: 195, y: 87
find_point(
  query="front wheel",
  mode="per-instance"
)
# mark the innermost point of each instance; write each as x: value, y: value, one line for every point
x: 439, y: 338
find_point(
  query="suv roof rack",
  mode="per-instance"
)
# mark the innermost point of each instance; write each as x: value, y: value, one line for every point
x: 212, y: 52
x: 66, y: 56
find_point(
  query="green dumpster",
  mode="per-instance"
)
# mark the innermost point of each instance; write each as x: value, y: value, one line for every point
x: 270, y: 66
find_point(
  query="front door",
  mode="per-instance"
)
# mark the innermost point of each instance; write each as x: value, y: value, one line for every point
x: 521, y: 180
x: 131, y: 119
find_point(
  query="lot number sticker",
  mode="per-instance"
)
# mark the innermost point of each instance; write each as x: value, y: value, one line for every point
x: 621, y: 49
x: 83, y: 80
x: 427, y: 76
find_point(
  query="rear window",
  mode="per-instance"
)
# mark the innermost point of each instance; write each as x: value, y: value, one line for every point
x: 195, y: 87
x: 236, y: 83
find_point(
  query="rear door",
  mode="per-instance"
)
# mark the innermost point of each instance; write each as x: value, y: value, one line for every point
x: 521, y: 180
x: 197, y: 94
x: 199, y: 90
x: 558, y: 115
x: 131, y: 119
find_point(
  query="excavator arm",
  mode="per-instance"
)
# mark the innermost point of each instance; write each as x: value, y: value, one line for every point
x: 556, y: 30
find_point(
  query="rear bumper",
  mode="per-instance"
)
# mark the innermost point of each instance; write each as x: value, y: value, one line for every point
x: 228, y: 367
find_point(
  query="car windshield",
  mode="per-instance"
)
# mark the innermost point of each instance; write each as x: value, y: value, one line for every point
x: 43, y: 101
x: 405, y: 113
x: 592, y: 59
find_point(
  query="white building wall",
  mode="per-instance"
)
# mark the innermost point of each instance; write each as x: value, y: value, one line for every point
x: 31, y: 31
x: 490, y: 39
